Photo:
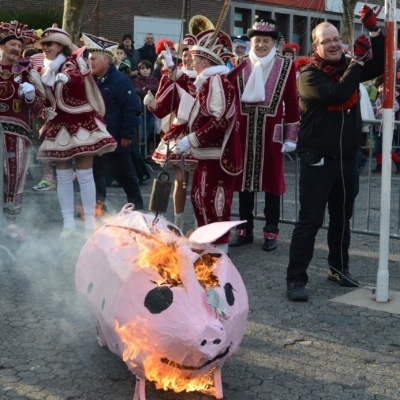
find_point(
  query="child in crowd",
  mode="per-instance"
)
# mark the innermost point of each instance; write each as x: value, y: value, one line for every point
x: 122, y: 62
x: 143, y: 83
x: 288, y: 52
x: 378, y: 108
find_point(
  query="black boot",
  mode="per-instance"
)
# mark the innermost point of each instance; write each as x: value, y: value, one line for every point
x: 242, y: 238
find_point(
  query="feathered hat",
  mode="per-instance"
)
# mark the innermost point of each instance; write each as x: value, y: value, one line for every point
x: 18, y: 31
x: 217, y: 49
x: 301, y: 62
x: 293, y: 46
x: 160, y: 45
x: 99, y: 45
x: 263, y: 27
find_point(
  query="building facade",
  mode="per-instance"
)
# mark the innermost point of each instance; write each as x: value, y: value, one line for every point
x: 112, y: 19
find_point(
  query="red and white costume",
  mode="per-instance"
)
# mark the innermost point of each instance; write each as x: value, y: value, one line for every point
x: 78, y: 128
x: 214, y: 138
x: 173, y: 125
x: 15, y: 117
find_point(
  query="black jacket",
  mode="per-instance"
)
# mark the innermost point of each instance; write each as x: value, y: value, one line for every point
x: 122, y: 106
x: 334, y: 133
x: 148, y: 53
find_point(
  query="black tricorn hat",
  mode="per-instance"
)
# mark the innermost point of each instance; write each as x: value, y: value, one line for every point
x: 263, y: 27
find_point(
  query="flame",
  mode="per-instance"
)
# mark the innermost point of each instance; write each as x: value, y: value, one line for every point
x: 134, y: 335
x: 163, y: 258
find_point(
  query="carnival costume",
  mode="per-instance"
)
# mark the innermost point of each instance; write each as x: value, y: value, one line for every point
x: 15, y: 116
x: 213, y: 137
x: 78, y: 127
x: 173, y: 107
x: 74, y: 125
x: 268, y: 115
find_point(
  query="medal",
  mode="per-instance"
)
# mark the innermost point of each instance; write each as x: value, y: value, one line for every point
x: 5, y: 74
x: 18, y: 79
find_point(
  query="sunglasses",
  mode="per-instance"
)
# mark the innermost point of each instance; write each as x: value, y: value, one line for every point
x: 48, y: 44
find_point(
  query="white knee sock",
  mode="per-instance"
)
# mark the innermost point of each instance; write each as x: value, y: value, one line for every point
x: 88, y: 195
x: 65, y: 192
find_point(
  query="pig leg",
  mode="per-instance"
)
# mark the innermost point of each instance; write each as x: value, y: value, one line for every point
x: 140, y: 389
x: 218, y: 383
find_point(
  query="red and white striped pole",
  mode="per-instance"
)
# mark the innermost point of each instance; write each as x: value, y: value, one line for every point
x: 382, y: 283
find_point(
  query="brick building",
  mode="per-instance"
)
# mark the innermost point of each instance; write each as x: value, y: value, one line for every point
x: 111, y: 19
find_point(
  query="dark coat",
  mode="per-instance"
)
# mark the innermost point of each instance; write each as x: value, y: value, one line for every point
x: 134, y: 58
x: 148, y: 53
x: 332, y: 133
x: 122, y: 106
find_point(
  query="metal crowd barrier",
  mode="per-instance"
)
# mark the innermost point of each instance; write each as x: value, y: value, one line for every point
x: 366, y: 213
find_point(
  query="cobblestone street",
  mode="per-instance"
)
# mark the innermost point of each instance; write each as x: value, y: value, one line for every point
x: 293, y: 351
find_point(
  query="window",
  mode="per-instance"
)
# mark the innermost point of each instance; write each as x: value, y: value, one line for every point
x: 282, y: 24
x: 300, y: 34
x: 241, y: 21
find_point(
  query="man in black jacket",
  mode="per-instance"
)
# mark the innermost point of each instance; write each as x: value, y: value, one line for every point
x: 131, y: 53
x: 148, y: 51
x: 329, y: 137
x: 122, y: 118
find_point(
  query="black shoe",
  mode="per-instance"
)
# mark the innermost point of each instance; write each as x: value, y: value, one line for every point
x: 345, y: 279
x: 242, y: 240
x: 377, y: 169
x: 269, y: 244
x: 296, y: 291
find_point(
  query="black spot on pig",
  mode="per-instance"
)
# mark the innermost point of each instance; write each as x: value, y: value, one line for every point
x: 103, y: 303
x: 230, y: 297
x: 158, y: 299
x: 89, y: 288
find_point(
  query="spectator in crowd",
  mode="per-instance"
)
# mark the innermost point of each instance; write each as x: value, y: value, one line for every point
x: 214, y: 137
x: 288, y: 52
x: 281, y: 44
x: 17, y: 99
x: 131, y: 53
x: 240, y: 45
x: 266, y: 86
x: 148, y: 51
x: 378, y: 108
x: 295, y: 47
x: 174, y: 126
x: 76, y: 129
x: 122, y: 62
x: 144, y: 83
x: 329, y: 138
x: 122, y: 118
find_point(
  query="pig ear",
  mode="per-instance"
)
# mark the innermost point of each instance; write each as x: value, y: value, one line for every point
x: 211, y: 232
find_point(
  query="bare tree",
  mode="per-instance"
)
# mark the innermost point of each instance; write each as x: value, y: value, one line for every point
x: 73, y: 17
x: 348, y: 22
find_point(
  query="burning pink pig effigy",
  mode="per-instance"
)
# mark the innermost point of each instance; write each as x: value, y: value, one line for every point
x: 174, y: 309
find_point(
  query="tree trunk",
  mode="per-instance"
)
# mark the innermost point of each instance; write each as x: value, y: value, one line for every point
x: 348, y: 22
x: 72, y: 18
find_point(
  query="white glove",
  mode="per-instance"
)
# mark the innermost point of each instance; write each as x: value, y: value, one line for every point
x: 167, y: 57
x: 149, y: 100
x: 288, y: 147
x: 183, y: 145
x: 27, y: 90
x: 61, y: 77
x: 49, y: 113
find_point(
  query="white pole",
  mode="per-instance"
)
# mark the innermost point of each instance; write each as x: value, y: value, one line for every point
x: 382, y: 283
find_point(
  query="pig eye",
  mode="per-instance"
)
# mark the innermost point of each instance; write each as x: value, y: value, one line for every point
x: 230, y: 297
x: 159, y: 299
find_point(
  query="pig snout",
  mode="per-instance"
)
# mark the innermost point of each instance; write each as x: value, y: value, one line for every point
x: 211, y: 340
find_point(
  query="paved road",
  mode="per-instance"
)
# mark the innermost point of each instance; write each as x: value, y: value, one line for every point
x: 314, y: 350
